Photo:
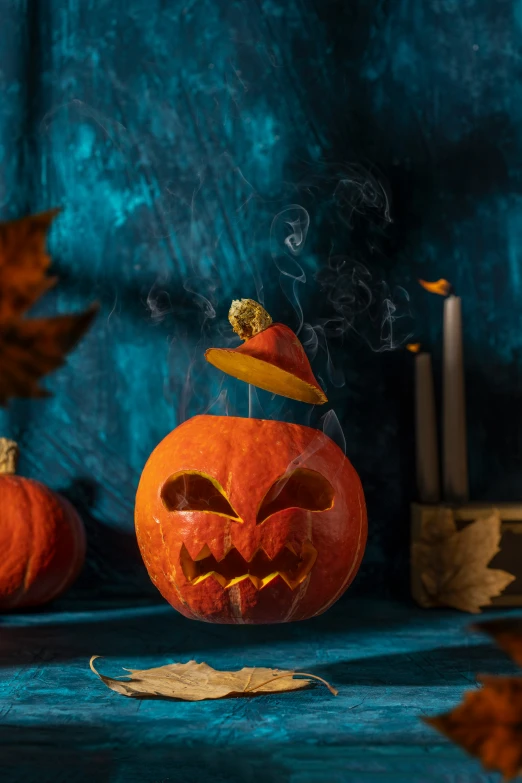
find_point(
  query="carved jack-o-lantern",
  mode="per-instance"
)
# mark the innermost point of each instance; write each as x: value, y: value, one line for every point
x: 250, y: 521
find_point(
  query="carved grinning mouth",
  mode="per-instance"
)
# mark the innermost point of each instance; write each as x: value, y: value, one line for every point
x: 261, y: 569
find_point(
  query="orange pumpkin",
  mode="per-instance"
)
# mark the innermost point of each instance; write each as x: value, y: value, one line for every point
x: 250, y: 521
x: 42, y: 539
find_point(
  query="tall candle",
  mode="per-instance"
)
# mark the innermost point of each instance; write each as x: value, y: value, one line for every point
x: 455, y: 461
x: 427, y: 451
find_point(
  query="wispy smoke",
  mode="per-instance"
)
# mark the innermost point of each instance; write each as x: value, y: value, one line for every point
x: 331, y: 426
x: 359, y: 192
x: 159, y: 302
x: 354, y: 296
x: 211, y: 231
x: 220, y: 403
x: 255, y: 409
x: 364, y: 304
x: 288, y: 234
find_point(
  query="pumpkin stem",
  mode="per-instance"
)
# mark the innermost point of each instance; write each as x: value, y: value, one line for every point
x: 9, y: 453
x: 248, y: 318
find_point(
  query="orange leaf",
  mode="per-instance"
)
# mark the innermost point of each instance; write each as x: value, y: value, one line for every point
x: 488, y: 724
x: 30, y: 348
x: 507, y: 634
x: 24, y: 263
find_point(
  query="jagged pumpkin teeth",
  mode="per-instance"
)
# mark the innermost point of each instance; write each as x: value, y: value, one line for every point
x: 271, y: 358
x: 205, y: 552
x: 261, y: 569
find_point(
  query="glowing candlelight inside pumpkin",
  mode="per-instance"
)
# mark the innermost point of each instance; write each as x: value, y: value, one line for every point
x: 426, y: 446
x: 454, y: 438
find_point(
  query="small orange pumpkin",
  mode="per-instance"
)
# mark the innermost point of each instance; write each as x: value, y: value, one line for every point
x: 42, y: 538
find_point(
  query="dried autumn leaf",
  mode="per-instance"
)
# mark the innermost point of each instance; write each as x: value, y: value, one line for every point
x: 197, y: 681
x: 454, y: 563
x: 30, y: 348
x: 507, y: 634
x: 488, y: 724
x: 24, y: 263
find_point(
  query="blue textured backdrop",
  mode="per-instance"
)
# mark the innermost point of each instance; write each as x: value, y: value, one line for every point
x: 319, y: 156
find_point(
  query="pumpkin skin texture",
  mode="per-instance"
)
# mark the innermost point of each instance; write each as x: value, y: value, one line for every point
x: 42, y: 541
x: 222, y: 534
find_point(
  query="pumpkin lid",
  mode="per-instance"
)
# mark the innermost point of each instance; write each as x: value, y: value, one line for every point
x: 271, y: 358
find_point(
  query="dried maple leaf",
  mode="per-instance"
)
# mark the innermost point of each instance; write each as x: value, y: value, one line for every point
x: 454, y: 563
x: 488, y: 722
x: 197, y: 681
x: 24, y: 263
x: 30, y: 348
x: 507, y: 634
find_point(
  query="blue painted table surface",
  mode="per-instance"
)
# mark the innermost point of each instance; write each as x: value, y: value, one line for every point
x: 391, y: 663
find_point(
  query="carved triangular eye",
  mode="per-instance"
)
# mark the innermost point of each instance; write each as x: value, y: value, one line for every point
x: 193, y: 491
x: 300, y: 489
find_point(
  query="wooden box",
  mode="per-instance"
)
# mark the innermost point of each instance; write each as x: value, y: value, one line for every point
x: 508, y: 559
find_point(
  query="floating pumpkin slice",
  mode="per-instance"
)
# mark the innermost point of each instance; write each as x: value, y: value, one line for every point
x: 271, y: 358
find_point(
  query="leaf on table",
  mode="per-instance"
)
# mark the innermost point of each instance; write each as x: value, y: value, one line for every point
x: 197, y: 681
x: 488, y: 724
x: 454, y: 563
x: 30, y: 348
x: 507, y: 633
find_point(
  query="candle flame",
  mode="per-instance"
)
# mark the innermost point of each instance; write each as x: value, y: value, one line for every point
x: 413, y: 347
x: 441, y: 287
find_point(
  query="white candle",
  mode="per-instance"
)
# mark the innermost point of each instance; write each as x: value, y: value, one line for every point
x: 426, y: 431
x: 455, y: 462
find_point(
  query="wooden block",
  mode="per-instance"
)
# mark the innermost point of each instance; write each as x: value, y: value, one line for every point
x: 508, y: 559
